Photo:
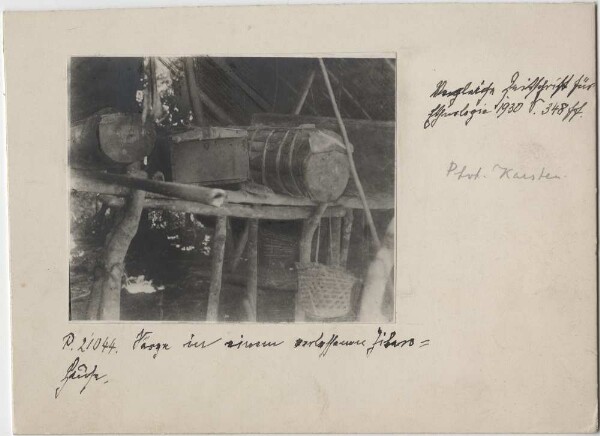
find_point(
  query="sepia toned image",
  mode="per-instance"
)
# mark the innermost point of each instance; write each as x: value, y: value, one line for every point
x: 232, y: 189
x: 367, y: 215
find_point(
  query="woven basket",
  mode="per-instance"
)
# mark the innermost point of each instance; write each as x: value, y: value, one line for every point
x: 277, y: 247
x: 278, y: 254
x: 325, y: 291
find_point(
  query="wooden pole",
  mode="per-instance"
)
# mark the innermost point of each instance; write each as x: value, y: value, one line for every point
x: 308, y: 230
x: 105, y: 296
x: 252, y: 287
x: 261, y: 102
x: 295, y: 91
x: 216, y: 274
x: 334, y: 240
x: 357, y: 182
x: 304, y: 93
x: 229, y: 242
x: 192, y: 86
x: 346, y: 234
x: 239, y: 248
x: 350, y: 96
x: 373, y: 294
x: 198, y: 95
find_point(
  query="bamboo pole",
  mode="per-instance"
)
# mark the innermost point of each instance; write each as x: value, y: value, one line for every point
x: 304, y: 93
x: 216, y: 274
x: 209, y: 196
x: 346, y: 234
x: 357, y: 182
x: 252, y: 286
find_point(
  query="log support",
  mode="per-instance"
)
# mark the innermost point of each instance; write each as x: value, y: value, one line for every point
x: 240, y: 247
x: 218, y: 253
x: 308, y: 230
x: 335, y: 225
x: 252, y: 280
x: 374, y: 307
x: 346, y: 234
x: 105, y: 297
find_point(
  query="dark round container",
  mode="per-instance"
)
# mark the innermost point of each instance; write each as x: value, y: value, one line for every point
x: 301, y: 162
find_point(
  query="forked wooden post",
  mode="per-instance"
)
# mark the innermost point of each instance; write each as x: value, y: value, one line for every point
x: 218, y: 252
x: 308, y: 230
x: 105, y: 296
x: 252, y: 286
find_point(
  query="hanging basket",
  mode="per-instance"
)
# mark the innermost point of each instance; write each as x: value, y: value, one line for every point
x: 325, y: 291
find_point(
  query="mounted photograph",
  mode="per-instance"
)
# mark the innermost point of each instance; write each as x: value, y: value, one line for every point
x: 232, y: 189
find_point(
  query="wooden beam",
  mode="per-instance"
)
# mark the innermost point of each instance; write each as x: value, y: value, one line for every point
x: 261, y: 102
x: 252, y: 286
x: 80, y: 181
x: 217, y: 256
x: 375, y: 201
x: 233, y: 210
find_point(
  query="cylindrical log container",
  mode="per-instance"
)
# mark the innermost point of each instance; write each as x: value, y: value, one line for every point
x: 300, y: 162
x: 110, y: 140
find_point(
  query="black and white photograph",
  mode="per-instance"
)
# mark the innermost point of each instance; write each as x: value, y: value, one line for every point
x: 380, y: 218
x: 232, y: 189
